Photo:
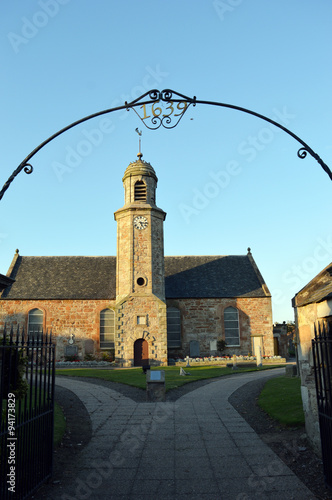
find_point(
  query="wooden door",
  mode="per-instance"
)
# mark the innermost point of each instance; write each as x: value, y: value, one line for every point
x: 141, y: 352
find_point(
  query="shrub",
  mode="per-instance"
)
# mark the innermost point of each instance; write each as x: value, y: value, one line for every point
x: 221, y: 344
x: 72, y: 358
x: 89, y: 357
x: 107, y: 356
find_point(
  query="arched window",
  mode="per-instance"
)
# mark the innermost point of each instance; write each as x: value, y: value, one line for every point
x: 107, y: 329
x: 231, y: 326
x: 140, y: 191
x: 173, y: 327
x: 35, y: 322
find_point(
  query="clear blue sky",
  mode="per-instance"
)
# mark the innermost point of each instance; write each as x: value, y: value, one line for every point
x: 63, y: 59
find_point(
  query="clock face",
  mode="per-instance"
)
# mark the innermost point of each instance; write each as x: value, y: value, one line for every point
x: 140, y: 222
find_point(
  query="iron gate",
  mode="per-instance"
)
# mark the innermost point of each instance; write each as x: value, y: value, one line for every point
x: 322, y: 355
x: 27, y: 417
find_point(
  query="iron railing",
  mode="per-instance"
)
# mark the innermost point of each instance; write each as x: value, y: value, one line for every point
x: 27, y: 417
x: 322, y: 356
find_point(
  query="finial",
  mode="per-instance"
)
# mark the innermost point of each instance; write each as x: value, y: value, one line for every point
x: 17, y: 250
x: 249, y: 250
x: 139, y: 143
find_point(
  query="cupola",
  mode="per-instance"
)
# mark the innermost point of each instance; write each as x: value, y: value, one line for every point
x: 140, y: 183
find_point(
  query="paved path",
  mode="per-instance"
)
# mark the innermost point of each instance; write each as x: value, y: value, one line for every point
x: 196, y: 448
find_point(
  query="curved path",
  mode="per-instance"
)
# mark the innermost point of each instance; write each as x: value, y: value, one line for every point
x: 196, y: 448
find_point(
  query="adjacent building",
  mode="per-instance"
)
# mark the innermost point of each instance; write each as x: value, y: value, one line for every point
x: 313, y: 307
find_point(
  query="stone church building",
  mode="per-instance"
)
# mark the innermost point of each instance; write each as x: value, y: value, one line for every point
x: 141, y: 306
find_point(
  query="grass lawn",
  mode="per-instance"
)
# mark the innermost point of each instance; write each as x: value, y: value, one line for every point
x: 281, y: 399
x: 136, y: 377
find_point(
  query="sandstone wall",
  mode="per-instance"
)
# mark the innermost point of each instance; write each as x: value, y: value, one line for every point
x: 203, y: 319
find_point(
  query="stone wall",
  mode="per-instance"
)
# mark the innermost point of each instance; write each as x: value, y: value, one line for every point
x: 141, y: 316
x: 305, y: 318
x: 66, y: 318
x: 202, y: 320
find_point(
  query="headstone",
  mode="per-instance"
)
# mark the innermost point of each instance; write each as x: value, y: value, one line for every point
x: 71, y: 350
x: 259, y: 357
x: 291, y: 371
x: 194, y: 348
x: 213, y: 346
x: 187, y: 359
x: 89, y: 346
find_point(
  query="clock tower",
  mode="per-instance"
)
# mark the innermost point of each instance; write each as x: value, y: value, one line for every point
x: 141, y: 336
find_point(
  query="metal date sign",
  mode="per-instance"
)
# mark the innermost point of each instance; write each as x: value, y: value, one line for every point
x: 163, y: 108
x: 163, y: 111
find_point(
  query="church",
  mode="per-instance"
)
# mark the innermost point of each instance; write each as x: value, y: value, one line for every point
x: 140, y: 307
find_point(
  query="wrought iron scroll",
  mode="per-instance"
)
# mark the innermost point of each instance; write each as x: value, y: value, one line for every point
x: 168, y: 116
x: 162, y: 116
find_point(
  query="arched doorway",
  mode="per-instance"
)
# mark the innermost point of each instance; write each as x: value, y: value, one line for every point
x: 141, y: 352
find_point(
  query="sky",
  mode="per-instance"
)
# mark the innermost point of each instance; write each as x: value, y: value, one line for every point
x: 227, y: 180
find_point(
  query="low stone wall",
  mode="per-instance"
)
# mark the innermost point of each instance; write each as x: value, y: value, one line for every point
x: 240, y: 361
x: 83, y: 364
x: 220, y: 361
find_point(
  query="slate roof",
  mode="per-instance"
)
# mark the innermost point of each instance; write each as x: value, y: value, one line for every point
x: 62, y: 278
x: 212, y: 276
x: 84, y: 278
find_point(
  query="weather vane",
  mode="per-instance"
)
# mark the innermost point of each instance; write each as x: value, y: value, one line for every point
x: 139, y: 143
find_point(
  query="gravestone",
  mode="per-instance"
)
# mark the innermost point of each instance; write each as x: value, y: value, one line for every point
x: 291, y: 371
x: 259, y: 357
x: 89, y: 346
x: 71, y: 350
x: 194, y: 349
x: 213, y: 346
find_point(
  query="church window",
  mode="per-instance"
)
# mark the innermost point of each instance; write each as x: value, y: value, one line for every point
x: 231, y: 325
x: 173, y: 327
x: 35, y: 322
x: 107, y: 329
x: 140, y: 191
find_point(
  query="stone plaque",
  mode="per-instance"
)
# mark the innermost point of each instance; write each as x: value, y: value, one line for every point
x: 155, y: 375
x: 213, y: 345
x: 71, y: 350
x: 194, y: 348
x: 89, y: 347
x: 155, y: 385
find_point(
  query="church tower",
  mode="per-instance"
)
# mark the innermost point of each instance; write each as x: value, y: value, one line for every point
x: 140, y: 278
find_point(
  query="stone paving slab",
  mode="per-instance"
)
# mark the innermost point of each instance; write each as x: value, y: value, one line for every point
x: 198, y: 447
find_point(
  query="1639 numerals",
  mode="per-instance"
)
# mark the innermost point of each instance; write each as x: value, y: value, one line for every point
x: 158, y: 111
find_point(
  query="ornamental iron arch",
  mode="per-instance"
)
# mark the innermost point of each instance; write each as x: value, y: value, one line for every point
x: 167, y: 109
